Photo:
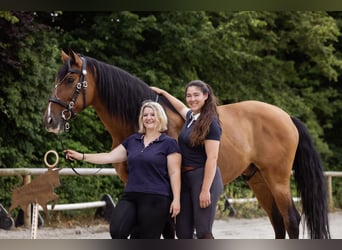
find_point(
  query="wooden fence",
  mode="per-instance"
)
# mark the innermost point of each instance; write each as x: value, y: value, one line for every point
x: 28, y: 172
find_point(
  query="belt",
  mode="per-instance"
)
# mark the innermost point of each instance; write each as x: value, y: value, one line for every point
x: 187, y: 168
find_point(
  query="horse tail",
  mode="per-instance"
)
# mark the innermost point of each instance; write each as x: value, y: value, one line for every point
x: 311, y: 185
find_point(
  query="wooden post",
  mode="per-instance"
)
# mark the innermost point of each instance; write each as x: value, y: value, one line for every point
x: 27, y: 219
x: 330, y: 196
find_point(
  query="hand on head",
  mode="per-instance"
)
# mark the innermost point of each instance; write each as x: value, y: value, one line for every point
x: 156, y: 89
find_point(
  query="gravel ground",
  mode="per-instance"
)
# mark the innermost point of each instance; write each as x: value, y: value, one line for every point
x: 258, y: 228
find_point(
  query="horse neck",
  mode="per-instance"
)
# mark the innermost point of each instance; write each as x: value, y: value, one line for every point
x: 117, y: 129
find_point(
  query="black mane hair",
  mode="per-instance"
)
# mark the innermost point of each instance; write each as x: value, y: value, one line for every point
x: 121, y: 92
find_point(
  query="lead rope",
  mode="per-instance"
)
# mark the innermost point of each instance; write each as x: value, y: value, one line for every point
x: 69, y: 161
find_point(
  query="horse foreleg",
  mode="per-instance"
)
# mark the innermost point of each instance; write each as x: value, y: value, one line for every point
x: 266, y: 201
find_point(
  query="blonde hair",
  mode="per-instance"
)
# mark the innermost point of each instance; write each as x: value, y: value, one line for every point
x: 160, y: 115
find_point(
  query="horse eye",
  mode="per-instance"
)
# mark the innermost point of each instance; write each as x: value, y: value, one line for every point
x: 70, y: 80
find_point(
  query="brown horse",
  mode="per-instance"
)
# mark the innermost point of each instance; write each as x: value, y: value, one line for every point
x: 260, y: 141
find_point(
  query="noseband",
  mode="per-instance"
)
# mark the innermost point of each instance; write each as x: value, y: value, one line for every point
x: 69, y: 113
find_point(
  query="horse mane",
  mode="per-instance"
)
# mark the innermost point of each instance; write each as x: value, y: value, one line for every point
x: 121, y: 92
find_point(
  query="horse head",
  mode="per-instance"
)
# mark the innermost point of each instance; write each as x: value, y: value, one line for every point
x: 72, y: 93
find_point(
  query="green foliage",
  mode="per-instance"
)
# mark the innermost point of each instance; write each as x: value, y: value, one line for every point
x: 6, y: 15
x: 26, y: 70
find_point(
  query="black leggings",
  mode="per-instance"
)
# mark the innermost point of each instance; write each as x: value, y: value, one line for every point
x: 147, y: 212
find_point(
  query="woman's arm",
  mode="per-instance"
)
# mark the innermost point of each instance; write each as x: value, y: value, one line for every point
x: 117, y: 155
x: 174, y: 167
x: 181, y: 108
x: 212, y: 150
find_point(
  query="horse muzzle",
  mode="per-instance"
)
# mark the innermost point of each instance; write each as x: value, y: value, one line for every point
x: 53, y: 125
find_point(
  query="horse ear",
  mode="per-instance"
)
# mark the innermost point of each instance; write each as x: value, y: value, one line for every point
x: 65, y: 57
x: 75, y: 58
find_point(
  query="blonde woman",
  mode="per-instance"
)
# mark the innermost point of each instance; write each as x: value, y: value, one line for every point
x: 152, y: 191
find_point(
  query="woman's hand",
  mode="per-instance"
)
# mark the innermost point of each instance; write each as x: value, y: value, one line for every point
x: 73, y: 155
x: 157, y: 90
x: 174, y: 208
x: 204, y: 199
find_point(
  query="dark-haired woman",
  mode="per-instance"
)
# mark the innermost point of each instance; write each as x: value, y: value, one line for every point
x: 199, y: 142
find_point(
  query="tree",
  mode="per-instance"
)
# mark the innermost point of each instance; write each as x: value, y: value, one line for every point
x: 27, y: 65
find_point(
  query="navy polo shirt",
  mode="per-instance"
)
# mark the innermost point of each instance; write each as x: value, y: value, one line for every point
x: 147, y: 166
x: 196, y: 156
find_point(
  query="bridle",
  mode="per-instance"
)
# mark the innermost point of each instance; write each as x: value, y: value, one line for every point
x: 69, y: 113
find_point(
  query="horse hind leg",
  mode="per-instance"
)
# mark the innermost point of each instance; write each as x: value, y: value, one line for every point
x: 282, y: 198
x: 266, y: 201
x: 294, y: 220
x: 290, y: 215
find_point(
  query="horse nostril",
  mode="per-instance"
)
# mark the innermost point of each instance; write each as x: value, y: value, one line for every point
x: 49, y: 120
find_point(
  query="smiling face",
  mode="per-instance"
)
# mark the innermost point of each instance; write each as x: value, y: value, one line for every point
x: 149, y: 119
x: 195, y: 98
x: 152, y: 117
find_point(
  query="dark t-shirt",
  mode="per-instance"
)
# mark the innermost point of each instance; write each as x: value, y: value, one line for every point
x: 196, y: 156
x: 147, y: 166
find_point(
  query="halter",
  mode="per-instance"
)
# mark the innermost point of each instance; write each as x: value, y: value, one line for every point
x: 68, y: 113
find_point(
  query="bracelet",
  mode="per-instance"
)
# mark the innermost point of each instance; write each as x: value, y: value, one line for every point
x: 82, y: 156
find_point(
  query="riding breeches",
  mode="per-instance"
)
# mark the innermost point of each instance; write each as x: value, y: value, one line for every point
x: 192, y: 217
x: 147, y: 212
